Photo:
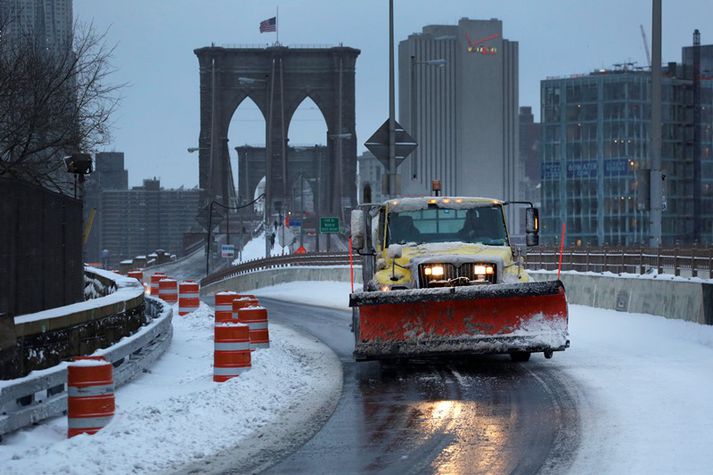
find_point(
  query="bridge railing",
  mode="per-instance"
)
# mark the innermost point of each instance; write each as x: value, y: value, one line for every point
x: 688, y: 262
x: 312, y: 259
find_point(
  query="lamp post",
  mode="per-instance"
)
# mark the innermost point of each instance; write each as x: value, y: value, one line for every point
x: 439, y: 63
x: 210, y: 224
x: 80, y: 165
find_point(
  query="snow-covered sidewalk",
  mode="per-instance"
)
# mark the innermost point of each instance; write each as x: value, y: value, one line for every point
x: 644, y: 385
x: 176, y: 416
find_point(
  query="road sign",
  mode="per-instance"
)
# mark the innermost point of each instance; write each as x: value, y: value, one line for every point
x: 378, y: 144
x: 294, y: 222
x: 227, y: 250
x: 329, y: 225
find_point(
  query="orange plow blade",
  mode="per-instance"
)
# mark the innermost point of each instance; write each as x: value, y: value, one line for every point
x: 498, y: 318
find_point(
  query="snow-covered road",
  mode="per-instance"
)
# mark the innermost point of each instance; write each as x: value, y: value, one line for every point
x: 643, y: 385
x: 176, y: 416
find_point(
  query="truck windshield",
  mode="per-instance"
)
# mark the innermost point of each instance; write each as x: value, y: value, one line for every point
x: 484, y: 225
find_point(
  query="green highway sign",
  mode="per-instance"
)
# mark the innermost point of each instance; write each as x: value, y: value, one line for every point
x: 329, y: 225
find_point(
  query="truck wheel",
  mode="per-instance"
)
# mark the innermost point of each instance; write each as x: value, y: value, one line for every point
x: 520, y: 356
x: 549, y: 353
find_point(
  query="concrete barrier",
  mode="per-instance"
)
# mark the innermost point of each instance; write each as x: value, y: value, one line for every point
x: 664, y: 296
x: 671, y: 298
x: 42, y: 394
x: 281, y: 275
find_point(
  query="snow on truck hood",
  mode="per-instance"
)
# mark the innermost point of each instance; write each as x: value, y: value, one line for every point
x: 448, y: 202
x: 455, y: 253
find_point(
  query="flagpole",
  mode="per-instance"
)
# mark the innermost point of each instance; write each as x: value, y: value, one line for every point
x: 277, y: 24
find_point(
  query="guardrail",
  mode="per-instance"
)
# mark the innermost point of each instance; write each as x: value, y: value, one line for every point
x: 313, y: 259
x: 43, y: 339
x: 43, y: 394
x: 691, y: 262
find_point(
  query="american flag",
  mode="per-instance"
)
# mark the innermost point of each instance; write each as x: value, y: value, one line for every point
x: 268, y: 25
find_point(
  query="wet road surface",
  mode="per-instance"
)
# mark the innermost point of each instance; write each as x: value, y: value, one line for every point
x: 474, y: 415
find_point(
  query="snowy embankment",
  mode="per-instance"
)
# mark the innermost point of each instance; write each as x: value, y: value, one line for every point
x: 643, y: 384
x: 175, y: 415
x: 255, y: 249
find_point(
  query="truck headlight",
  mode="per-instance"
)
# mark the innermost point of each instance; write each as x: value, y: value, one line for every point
x: 483, y: 270
x: 435, y: 271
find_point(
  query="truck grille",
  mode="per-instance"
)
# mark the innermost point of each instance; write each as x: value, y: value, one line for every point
x: 453, y: 276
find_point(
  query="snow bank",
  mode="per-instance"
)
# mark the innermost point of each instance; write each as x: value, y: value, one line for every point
x: 175, y: 415
x: 648, y: 276
x: 126, y: 289
x: 643, y: 384
x: 324, y: 294
x: 255, y: 249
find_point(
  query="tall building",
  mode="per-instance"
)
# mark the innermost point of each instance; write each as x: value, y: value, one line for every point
x: 529, y: 163
x: 47, y: 22
x: 145, y: 218
x: 529, y: 150
x: 370, y: 176
x: 595, y: 156
x: 109, y: 174
x: 109, y: 171
x: 458, y: 97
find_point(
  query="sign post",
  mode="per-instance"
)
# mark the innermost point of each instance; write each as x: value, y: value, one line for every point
x: 380, y: 145
x: 227, y: 251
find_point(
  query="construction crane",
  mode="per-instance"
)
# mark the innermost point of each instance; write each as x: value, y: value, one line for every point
x: 646, y: 44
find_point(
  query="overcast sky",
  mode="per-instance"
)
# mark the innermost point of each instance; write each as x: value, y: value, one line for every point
x: 158, y: 118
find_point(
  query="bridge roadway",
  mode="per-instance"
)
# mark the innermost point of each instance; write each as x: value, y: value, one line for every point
x: 475, y: 415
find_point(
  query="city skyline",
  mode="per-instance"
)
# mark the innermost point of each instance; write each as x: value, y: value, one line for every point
x: 553, y: 41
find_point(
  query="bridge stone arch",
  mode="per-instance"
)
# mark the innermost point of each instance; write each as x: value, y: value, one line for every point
x: 277, y: 79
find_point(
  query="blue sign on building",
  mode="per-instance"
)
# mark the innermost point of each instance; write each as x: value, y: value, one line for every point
x: 550, y: 170
x: 616, y: 167
x: 582, y: 169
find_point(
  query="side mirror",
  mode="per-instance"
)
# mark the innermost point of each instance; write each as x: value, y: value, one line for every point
x: 357, y: 225
x: 394, y: 251
x: 532, y: 226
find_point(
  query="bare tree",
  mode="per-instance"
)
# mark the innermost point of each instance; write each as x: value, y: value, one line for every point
x: 53, y: 102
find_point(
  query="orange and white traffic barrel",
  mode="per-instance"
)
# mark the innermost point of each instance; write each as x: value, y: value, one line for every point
x: 188, y: 297
x: 224, y: 306
x: 136, y: 274
x: 256, y: 318
x: 242, y: 302
x: 155, y: 279
x: 231, y: 355
x: 168, y: 290
x: 90, y: 401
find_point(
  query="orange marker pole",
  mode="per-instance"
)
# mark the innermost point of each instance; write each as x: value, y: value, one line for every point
x: 351, y: 264
x: 559, y: 267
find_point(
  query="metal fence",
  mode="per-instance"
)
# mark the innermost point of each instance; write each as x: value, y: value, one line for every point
x: 40, y: 248
x: 688, y: 262
x: 312, y: 259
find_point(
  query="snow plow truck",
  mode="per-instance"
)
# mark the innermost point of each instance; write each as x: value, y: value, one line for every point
x: 441, y: 278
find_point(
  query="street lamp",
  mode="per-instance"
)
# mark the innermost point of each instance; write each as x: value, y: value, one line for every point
x: 80, y: 165
x: 439, y: 63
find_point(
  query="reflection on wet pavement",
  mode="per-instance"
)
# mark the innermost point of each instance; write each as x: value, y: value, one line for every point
x: 467, y: 415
